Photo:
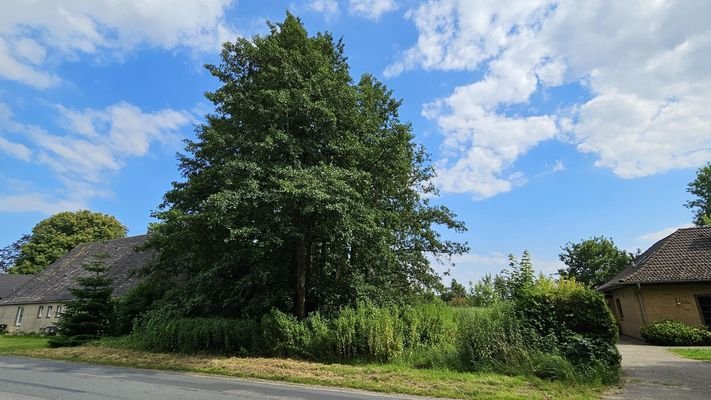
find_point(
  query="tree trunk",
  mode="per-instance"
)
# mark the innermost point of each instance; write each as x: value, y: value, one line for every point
x: 301, y: 278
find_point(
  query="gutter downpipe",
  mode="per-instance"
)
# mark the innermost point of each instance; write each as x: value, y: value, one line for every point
x: 641, y: 304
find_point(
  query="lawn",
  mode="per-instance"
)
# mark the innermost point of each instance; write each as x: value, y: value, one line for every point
x: 703, y: 354
x: 390, y: 378
x: 18, y: 344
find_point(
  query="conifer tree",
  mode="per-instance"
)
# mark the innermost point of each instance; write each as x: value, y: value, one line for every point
x: 89, y: 315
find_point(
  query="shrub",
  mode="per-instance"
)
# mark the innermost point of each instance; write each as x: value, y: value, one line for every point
x: 283, y: 335
x: 573, y: 321
x: 675, y: 333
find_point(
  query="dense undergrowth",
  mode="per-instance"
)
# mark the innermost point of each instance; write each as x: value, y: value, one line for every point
x: 554, y: 330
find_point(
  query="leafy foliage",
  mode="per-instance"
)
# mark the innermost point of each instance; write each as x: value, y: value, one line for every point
x: 53, y: 237
x: 303, y: 191
x: 700, y: 188
x: 90, y: 315
x: 11, y: 253
x: 675, y: 333
x: 593, y: 261
x: 496, y: 339
x: 575, y: 321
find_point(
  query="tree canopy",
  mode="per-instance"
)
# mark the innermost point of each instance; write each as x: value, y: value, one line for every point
x: 701, y: 203
x: 53, y: 237
x: 593, y: 261
x: 302, y: 191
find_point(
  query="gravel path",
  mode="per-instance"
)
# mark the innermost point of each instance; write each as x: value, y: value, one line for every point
x: 652, y: 372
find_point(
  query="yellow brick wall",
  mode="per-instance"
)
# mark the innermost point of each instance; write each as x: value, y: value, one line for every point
x: 30, y: 322
x: 662, y: 301
x: 632, y: 320
x: 676, y: 302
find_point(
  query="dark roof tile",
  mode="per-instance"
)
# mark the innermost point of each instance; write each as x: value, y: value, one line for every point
x: 54, y: 282
x: 683, y: 256
x: 11, y: 282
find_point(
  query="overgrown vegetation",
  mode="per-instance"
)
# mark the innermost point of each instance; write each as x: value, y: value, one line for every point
x: 553, y: 330
x: 675, y: 333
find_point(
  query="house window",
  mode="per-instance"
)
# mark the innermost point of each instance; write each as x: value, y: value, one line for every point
x: 18, y: 316
x: 58, y: 313
x: 49, y: 312
x: 619, y: 309
x: 39, y: 311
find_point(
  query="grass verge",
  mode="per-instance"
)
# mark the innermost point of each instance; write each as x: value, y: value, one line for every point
x: 388, y: 378
x: 694, y: 354
x: 13, y: 344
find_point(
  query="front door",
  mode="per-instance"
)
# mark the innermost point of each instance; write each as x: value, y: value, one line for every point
x: 705, y: 308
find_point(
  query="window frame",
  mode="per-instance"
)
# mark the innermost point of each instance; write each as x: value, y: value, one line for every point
x: 618, y: 305
x: 40, y: 312
x: 18, y: 316
x: 49, y: 312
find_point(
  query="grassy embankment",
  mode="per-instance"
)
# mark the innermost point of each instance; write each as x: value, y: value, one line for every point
x: 390, y: 378
x: 703, y: 354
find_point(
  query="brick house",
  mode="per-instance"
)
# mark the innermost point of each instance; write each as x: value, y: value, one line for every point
x: 671, y: 280
x: 37, y: 304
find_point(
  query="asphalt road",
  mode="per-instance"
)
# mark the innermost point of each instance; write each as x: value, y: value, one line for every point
x: 32, y: 379
x: 654, y: 373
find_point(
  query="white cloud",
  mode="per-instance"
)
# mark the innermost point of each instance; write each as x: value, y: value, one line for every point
x: 371, y: 9
x: 39, y: 202
x: 92, y: 144
x: 472, y: 267
x: 559, y: 166
x: 644, y: 65
x: 327, y: 7
x: 652, y: 237
x: 16, y: 150
x: 30, y: 32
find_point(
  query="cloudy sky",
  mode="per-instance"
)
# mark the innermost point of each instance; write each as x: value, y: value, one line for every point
x: 548, y: 121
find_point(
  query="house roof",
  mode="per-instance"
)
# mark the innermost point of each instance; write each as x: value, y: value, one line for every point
x: 683, y: 256
x: 11, y: 282
x: 54, y: 282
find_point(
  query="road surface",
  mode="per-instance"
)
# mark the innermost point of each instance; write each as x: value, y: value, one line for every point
x: 33, y: 379
x: 654, y: 373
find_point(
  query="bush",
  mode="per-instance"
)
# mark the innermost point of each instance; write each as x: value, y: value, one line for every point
x: 64, y: 341
x: 675, y: 333
x: 572, y: 320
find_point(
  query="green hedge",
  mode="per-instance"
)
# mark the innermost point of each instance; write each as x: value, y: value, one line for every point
x: 573, y: 321
x: 675, y: 333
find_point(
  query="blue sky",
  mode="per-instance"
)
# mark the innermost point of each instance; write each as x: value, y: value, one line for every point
x: 548, y: 121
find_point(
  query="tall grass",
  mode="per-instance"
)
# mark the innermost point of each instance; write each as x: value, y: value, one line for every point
x: 548, y: 338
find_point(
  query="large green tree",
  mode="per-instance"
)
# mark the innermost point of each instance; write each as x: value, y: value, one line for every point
x: 302, y: 191
x: 53, y: 237
x: 593, y: 261
x: 701, y: 203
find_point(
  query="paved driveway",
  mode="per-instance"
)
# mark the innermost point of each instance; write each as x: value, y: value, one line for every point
x: 652, y: 372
